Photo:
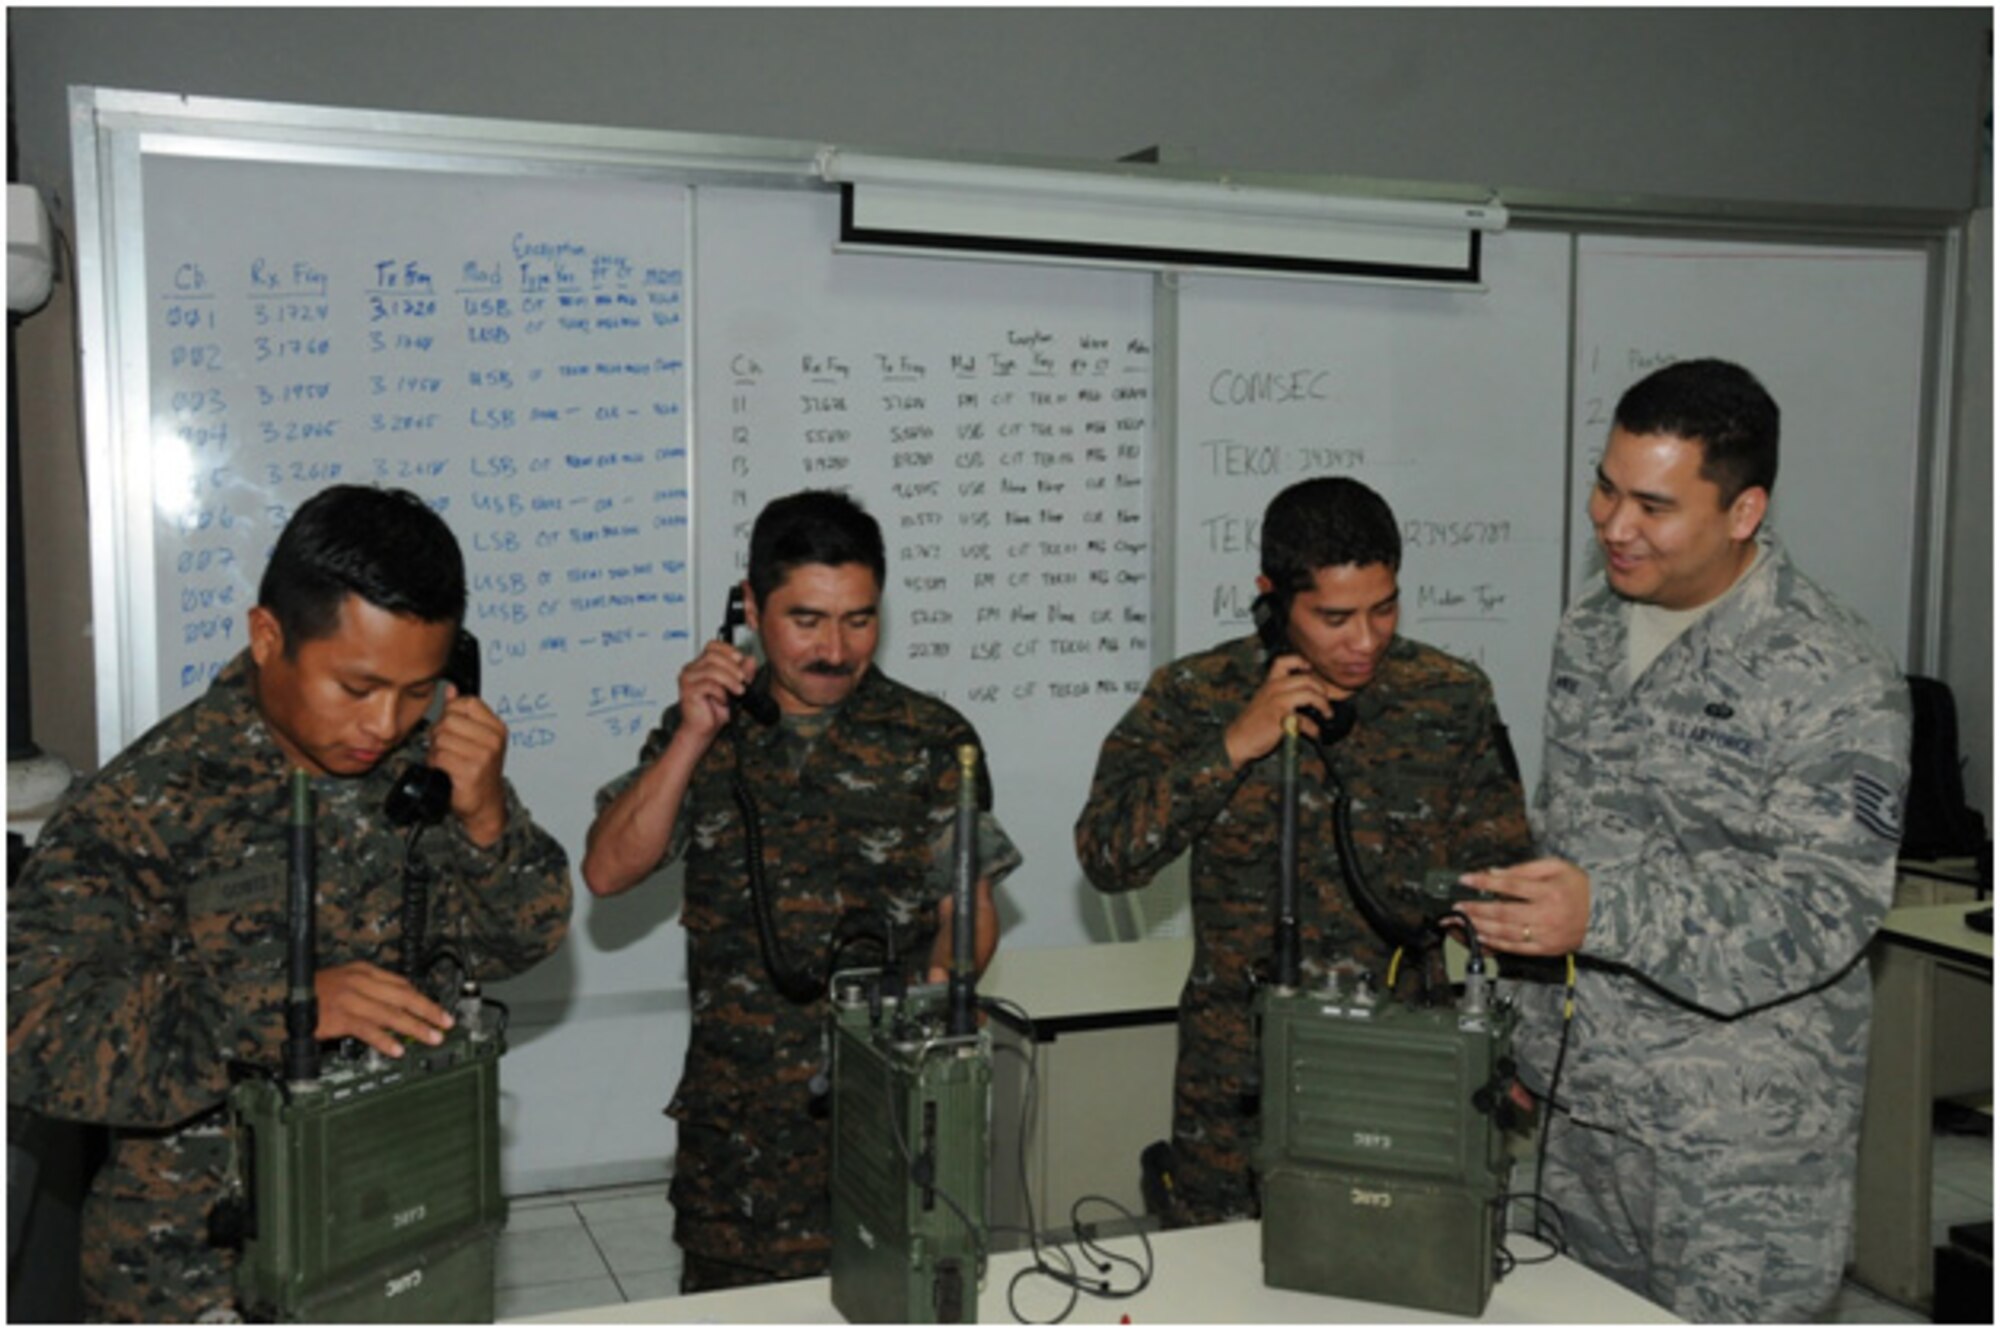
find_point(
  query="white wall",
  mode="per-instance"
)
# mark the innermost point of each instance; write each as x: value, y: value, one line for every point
x: 1866, y: 107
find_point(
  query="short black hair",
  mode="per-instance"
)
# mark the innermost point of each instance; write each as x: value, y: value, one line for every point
x: 385, y: 546
x: 1714, y: 403
x: 812, y: 527
x: 1326, y: 522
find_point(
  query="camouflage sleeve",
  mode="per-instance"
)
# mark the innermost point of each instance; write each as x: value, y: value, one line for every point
x: 109, y: 1020
x: 1771, y: 907
x: 1489, y: 817
x: 509, y: 904
x: 996, y: 855
x: 994, y: 851
x: 1162, y: 777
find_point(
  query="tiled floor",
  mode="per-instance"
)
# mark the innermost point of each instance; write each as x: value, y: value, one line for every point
x: 615, y: 1245
x: 564, y: 1251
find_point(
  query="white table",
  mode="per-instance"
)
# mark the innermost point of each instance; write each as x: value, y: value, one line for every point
x: 1212, y: 1275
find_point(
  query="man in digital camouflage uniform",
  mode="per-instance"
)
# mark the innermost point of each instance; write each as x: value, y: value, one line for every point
x: 1727, y: 747
x: 146, y: 936
x: 1194, y: 765
x: 854, y: 789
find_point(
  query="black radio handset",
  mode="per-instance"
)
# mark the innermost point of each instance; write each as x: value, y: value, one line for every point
x: 755, y: 700
x: 420, y: 798
x: 1270, y: 614
x: 421, y: 794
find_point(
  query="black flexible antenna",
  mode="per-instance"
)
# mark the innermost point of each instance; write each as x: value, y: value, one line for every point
x: 301, y: 1002
x: 1286, y: 962
x: 961, y: 1000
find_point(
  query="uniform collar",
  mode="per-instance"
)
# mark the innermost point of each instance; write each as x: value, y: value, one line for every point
x: 230, y: 705
x: 1750, y: 601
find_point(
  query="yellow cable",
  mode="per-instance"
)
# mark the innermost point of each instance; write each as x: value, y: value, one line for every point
x: 1394, y: 961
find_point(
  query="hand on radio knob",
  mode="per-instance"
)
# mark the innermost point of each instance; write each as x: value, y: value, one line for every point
x: 374, y: 1006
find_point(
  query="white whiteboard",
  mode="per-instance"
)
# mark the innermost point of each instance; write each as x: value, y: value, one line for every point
x: 514, y: 351
x: 1837, y: 337
x: 1444, y: 402
x: 997, y: 420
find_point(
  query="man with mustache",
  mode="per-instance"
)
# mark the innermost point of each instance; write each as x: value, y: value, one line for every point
x: 834, y: 818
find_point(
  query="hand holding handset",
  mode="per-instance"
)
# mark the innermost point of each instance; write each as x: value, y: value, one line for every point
x: 1270, y: 617
x: 755, y: 700
x: 422, y: 793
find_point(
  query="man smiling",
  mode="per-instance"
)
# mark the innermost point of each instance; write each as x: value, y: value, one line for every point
x: 1721, y: 792
x: 1411, y: 733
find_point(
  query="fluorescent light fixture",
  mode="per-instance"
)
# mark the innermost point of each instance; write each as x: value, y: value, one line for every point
x: 1042, y: 214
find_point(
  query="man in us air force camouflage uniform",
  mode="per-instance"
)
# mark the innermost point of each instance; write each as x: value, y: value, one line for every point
x: 1194, y: 764
x: 853, y: 787
x: 146, y: 936
x: 1727, y: 749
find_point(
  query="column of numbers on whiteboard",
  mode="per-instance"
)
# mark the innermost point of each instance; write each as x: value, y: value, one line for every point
x: 745, y: 377
x: 202, y: 569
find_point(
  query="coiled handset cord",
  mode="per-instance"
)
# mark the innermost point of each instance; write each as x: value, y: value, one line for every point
x: 1360, y: 891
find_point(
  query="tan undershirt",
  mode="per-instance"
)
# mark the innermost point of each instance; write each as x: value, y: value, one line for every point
x: 1651, y: 629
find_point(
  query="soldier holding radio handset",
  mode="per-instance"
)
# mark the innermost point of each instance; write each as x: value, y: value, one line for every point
x: 146, y: 937
x: 1409, y: 734
x: 423, y: 791
x: 813, y: 800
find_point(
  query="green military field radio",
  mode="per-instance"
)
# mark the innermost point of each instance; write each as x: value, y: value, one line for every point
x: 369, y: 1186
x: 375, y: 1191
x: 1382, y: 1157
x: 1379, y: 1170
x: 912, y: 1098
